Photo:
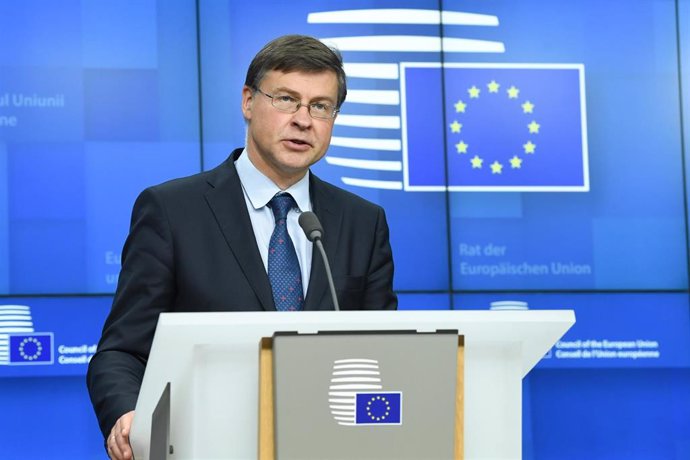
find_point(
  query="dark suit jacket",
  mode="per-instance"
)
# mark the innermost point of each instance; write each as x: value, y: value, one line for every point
x: 191, y: 248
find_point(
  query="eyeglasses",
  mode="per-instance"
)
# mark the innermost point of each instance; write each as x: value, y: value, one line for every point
x: 287, y: 103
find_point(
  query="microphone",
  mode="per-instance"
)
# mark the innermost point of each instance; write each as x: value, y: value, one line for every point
x: 311, y: 225
x: 314, y: 231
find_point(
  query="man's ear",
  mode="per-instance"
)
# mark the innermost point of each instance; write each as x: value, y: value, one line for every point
x: 247, y: 100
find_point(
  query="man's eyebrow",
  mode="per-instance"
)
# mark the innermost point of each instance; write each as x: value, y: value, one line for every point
x: 296, y: 95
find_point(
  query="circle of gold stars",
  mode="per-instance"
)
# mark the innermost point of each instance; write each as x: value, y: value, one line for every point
x: 462, y: 148
x: 384, y: 401
x: 36, y: 354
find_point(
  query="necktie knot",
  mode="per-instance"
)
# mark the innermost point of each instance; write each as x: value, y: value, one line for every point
x: 281, y: 204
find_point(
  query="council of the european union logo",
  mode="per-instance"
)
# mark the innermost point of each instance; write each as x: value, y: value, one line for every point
x: 495, y: 127
x: 379, y: 408
x: 19, y: 343
x: 356, y: 395
x: 498, y: 127
x: 366, y: 147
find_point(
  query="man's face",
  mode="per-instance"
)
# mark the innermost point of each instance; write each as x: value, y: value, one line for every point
x: 284, y: 145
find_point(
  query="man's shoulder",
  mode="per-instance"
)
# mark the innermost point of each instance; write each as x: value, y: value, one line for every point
x: 198, y: 182
x: 182, y: 184
x: 343, y: 198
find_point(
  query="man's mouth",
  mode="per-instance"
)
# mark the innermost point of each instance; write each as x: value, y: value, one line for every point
x: 299, y: 142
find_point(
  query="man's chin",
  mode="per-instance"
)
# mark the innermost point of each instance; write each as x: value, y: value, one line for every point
x: 299, y: 161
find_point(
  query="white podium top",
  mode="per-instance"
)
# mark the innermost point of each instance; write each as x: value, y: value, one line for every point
x: 198, y: 352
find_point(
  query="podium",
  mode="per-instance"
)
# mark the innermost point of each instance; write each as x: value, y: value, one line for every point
x: 211, y: 361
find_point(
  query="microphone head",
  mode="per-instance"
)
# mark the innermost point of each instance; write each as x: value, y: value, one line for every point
x: 311, y: 226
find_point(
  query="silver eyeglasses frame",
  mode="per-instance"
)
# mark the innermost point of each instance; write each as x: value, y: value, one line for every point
x: 293, y: 105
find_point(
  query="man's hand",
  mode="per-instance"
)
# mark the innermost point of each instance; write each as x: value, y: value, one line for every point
x: 118, y: 440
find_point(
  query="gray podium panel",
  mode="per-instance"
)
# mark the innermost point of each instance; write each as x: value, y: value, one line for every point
x: 365, y: 395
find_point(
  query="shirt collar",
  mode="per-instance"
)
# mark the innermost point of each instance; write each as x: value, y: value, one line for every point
x: 260, y: 189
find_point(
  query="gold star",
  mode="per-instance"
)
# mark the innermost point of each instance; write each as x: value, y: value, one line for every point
x: 460, y: 106
x: 515, y: 162
x: 462, y: 147
x: 534, y: 127
x: 529, y: 147
x: 476, y: 162
x: 513, y: 92
x: 455, y: 127
x: 496, y: 167
x: 493, y: 86
x: 474, y: 92
x: 527, y: 107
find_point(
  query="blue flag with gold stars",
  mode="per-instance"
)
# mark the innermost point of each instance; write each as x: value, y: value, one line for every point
x: 378, y: 408
x: 33, y: 348
x: 495, y: 127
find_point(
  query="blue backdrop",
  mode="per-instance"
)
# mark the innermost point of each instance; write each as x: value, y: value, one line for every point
x: 530, y: 151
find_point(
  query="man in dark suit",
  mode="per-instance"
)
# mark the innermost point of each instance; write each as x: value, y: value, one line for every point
x: 216, y: 241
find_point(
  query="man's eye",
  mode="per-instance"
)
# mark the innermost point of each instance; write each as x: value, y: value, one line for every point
x: 320, y: 107
x: 285, y: 98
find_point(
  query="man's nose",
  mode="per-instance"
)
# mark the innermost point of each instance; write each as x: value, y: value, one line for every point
x: 302, y: 117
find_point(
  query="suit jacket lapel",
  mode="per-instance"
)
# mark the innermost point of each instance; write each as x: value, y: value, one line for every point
x: 226, y: 200
x: 330, y: 215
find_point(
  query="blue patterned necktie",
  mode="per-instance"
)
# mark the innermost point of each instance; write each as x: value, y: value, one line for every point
x: 283, y: 266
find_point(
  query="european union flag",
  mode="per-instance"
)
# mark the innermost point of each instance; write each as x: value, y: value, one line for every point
x: 378, y: 408
x: 495, y: 127
x: 34, y: 348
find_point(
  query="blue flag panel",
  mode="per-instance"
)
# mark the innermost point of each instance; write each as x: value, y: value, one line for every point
x: 379, y: 408
x: 35, y: 348
x: 501, y: 127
